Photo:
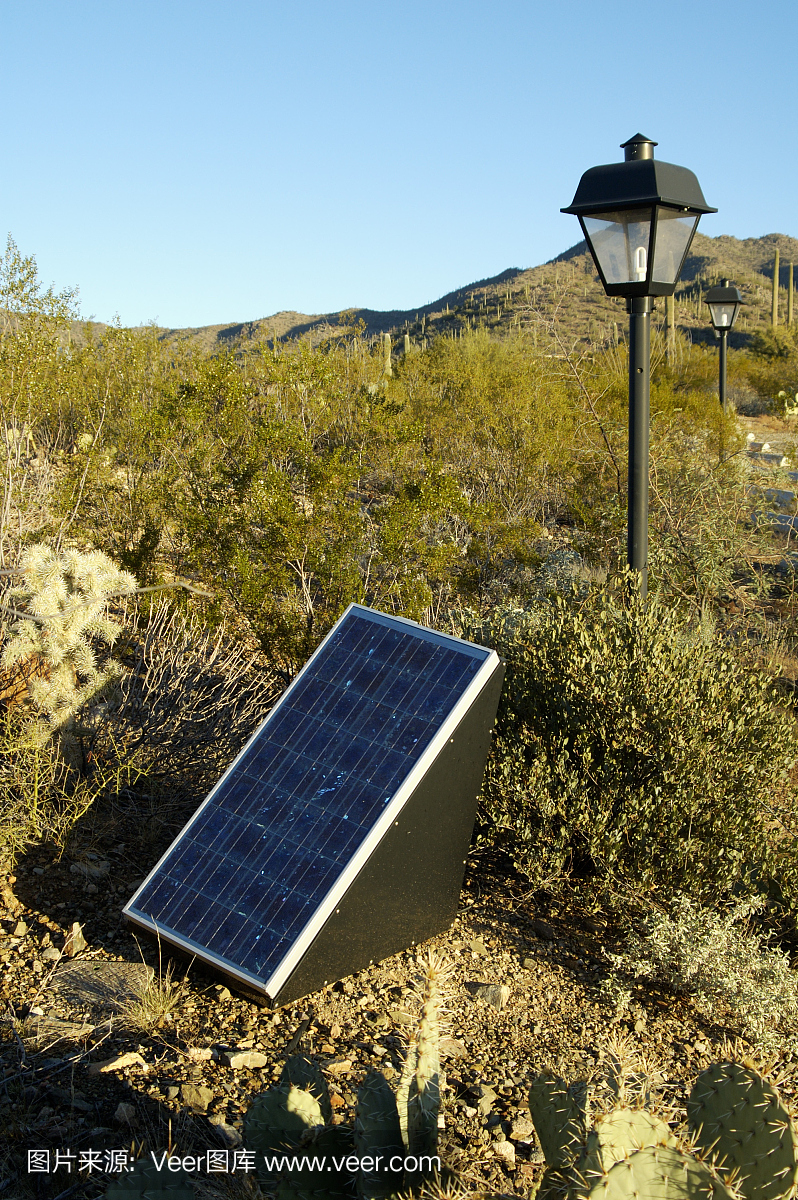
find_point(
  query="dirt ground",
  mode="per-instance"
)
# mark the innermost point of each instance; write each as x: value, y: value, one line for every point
x: 547, y: 1010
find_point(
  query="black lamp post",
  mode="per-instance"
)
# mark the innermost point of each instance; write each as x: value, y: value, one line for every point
x: 724, y: 304
x: 638, y: 218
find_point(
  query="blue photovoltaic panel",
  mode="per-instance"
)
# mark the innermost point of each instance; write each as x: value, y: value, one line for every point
x: 248, y: 872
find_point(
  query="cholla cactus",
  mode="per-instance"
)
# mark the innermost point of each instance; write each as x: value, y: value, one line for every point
x: 287, y: 1119
x: 59, y: 619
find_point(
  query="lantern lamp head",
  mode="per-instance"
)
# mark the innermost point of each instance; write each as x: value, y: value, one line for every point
x: 724, y: 305
x: 639, y: 218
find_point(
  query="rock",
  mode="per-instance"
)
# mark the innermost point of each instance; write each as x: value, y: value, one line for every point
x: 335, y: 1031
x: 478, y: 946
x: 90, y: 870
x: 196, y: 1097
x: 244, y: 1058
x: 20, y: 929
x: 38, y: 870
x: 522, y: 1130
x: 452, y: 1048
x: 342, y: 1067
x: 529, y: 964
x: 92, y: 982
x: 200, y: 1053
x: 399, y: 1016
x: 496, y: 994
x: 506, y: 1152
x: 50, y: 954
x: 36, y: 1011
x: 543, y: 930
x: 223, y: 993
x: 229, y: 1135
x: 75, y: 941
x: 172, y: 1092
x: 337, y: 1101
x: 37, y: 968
x: 487, y: 1099
x: 126, y: 1114
x: 118, y: 1063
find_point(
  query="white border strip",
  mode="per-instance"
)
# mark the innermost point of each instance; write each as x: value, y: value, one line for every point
x: 303, y: 940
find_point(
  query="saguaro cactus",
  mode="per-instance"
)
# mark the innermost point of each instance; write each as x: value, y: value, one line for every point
x: 790, y: 294
x: 774, y: 312
x: 387, y: 369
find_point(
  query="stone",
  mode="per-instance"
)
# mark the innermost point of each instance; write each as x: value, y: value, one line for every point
x: 90, y: 870
x: 399, y: 1016
x: 50, y: 954
x: 196, y: 1097
x: 172, y: 1092
x: 342, y: 1067
x: 478, y: 946
x: 97, y: 983
x: 506, y: 1152
x: 452, y: 1048
x: 228, y: 1133
x: 223, y: 993
x: 200, y: 1053
x: 496, y: 994
x: 522, y: 1130
x: 337, y: 1101
x: 126, y: 1114
x: 244, y: 1058
x: 118, y: 1063
x: 543, y: 930
x: 75, y: 941
x: 20, y: 929
x: 487, y: 1099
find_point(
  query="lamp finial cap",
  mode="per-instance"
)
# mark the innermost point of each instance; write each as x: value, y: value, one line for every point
x: 638, y: 146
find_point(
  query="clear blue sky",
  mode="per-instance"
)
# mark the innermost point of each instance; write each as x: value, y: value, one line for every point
x: 195, y: 163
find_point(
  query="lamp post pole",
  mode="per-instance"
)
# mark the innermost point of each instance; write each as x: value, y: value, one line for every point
x: 638, y: 218
x: 724, y: 333
x: 724, y: 304
x: 639, y: 309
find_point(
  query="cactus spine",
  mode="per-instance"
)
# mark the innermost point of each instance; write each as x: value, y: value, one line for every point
x: 738, y: 1118
x: 774, y: 311
x: 294, y: 1116
x: 424, y: 1091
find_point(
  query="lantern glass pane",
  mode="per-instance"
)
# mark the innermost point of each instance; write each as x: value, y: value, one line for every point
x: 620, y: 243
x: 674, y: 234
x: 723, y: 315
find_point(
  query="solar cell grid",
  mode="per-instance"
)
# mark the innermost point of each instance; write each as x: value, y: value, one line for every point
x: 252, y: 867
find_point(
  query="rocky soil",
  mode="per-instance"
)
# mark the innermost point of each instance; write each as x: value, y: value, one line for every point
x: 78, y: 1077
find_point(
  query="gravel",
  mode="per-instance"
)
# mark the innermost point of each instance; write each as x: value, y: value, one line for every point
x: 525, y: 992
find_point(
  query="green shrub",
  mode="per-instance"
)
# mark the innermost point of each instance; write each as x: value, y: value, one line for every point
x: 629, y: 751
x: 722, y: 964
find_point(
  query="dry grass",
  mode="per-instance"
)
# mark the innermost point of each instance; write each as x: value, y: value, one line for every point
x: 155, y: 1004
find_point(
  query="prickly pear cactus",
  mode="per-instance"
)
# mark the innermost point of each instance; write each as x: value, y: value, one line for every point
x: 146, y: 1182
x: 558, y: 1119
x: 625, y: 1130
x: 276, y: 1120
x: 659, y: 1173
x: 377, y: 1133
x: 304, y: 1073
x: 327, y: 1143
x: 739, y: 1118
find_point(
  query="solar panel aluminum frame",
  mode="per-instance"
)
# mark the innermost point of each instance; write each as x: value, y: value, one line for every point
x: 269, y: 989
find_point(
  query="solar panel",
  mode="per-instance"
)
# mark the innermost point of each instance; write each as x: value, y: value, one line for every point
x: 264, y: 863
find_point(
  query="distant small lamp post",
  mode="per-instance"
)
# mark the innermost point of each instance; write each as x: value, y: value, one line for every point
x: 724, y: 304
x: 638, y: 218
